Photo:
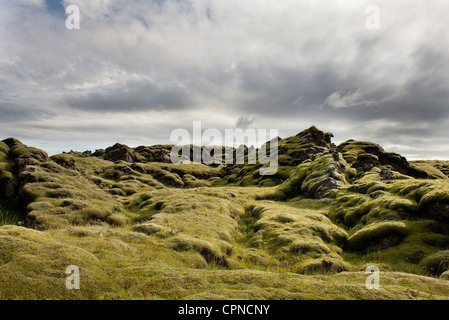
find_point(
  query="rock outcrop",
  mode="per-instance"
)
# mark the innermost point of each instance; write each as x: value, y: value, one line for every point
x: 119, y: 152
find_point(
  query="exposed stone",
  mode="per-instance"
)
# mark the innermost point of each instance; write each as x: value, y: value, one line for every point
x: 384, y: 243
x: 9, y: 189
x: 359, y: 188
x: 438, y: 211
x: 119, y: 152
x: 99, y: 153
x: 386, y: 174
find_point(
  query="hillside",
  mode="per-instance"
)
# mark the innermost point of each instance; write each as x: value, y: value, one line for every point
x: 140, y: 227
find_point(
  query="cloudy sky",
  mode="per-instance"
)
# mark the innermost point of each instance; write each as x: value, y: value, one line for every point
x: 137, y: 69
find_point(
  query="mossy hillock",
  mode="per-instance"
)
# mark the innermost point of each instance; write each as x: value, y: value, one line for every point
x: 293, y: 151
x: 33, y: 265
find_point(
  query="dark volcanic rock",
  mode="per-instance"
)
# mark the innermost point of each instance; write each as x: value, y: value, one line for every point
x: 367, y: 155
x: 437, y: 210
x: 386, y: 174
x: 316, y: 137
x: 384, y: 243
x: 26, y: 160
x: 359, y: 188
x: 11, y: 142
x: 154, y: 153
x: 119, y: 152
x: 367, y: 161
x: 65, y: 161
x: 400, y: 164
x: 306, y: 145
x: 99, y: 153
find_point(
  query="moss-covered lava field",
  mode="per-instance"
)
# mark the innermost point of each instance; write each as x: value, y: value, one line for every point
x: 140, y: 227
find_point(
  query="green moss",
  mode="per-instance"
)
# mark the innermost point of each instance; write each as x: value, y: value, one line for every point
x: 327, y: 265
x: 424, y: 237
x: 351, y: 150
x: 434, y: 197
x: 382, y: 234
x: 433, y: 169
x: 213, y: 253
x: 316, y: 179
x: 95, y: 214
x: 60, y: 198
x: 352, y: 208
x: 35, y: 264
x: 437, y: 263
x: 158, y: 230
x: 64, y: 160
x: 117, y: 220
x: 117, y: 192
x: 192, y: 182
x: 4, y: 148
x: 445, y: 275
x: 150, y: 228
x: 169, y: 283
x: 168, y: 178
x: 21, y: 150
x: 296, y: 235
x: 440, y: 165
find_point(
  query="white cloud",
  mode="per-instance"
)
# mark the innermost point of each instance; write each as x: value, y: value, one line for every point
x: 342, y: 99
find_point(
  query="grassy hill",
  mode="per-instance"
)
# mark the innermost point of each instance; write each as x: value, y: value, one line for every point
x: 140, y: 227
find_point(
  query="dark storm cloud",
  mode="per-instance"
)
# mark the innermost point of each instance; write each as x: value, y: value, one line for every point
x: 244, y: 122
x: 132, y: 97
x: 10, y: 112
x: 423, y: 97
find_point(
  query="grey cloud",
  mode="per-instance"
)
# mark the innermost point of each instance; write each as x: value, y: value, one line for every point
x: 244, y: 122
x: 288, y: 64
x: 133, y: 96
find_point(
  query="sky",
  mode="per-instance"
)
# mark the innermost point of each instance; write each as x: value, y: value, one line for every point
x: 138, y: 69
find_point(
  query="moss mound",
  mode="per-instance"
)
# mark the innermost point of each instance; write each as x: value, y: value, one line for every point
x: 298, y: 235
x: 437, y: 263
x: 33, y: 266
x: 316, y: 179
x: 19, y: 150
x: 377, y: 236
x: 4, y: 148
